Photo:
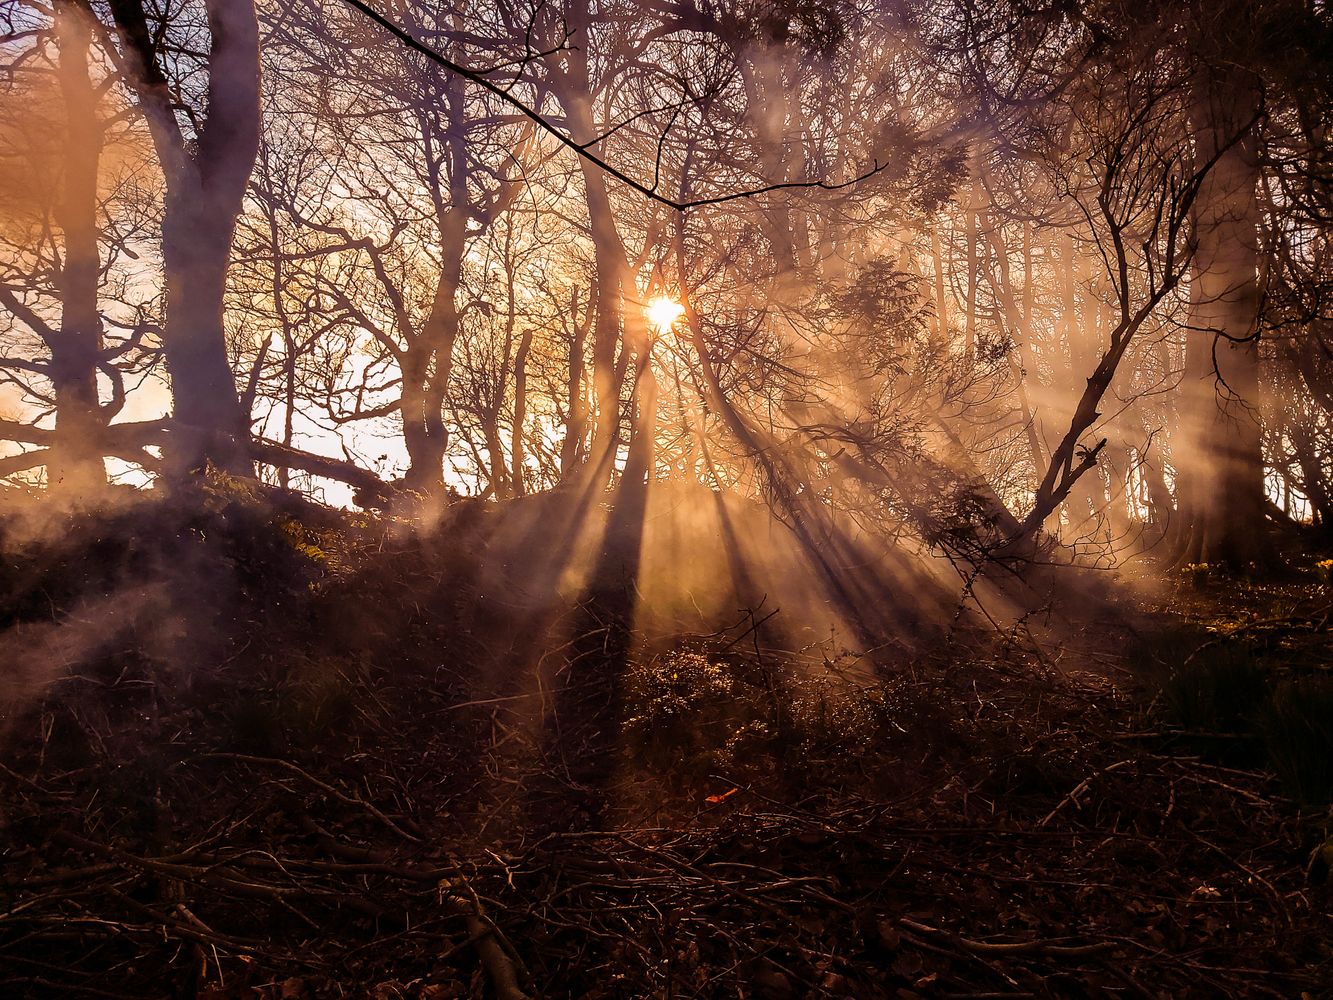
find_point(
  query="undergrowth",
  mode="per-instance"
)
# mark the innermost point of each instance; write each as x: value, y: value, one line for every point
x: 1240, y: 704
x: 321, y: 775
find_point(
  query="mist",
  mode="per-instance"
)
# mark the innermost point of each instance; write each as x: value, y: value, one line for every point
x: 569, y: 498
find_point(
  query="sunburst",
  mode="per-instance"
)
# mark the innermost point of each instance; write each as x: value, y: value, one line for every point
x: 662, y: 313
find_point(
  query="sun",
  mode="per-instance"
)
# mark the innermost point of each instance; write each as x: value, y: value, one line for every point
x: 662, y: 312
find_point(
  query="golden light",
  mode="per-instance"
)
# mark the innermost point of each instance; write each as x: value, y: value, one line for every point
x: 662, y: 312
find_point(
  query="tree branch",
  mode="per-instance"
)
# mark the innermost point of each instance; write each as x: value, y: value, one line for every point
x: 582, y: 149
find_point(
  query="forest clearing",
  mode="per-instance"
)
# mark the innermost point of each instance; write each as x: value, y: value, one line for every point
x: 666, y: 499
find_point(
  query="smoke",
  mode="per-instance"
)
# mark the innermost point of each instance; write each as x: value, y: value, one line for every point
x: 35, y: 153
x: 145, y: 590
x: 32, y: 156
x: 144, y: 621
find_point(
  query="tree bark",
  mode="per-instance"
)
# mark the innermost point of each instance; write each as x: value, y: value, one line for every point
x: 516, y: 449
x: 204, y: 190
x: 423, y: 436
x: 424, y: 428
x: 75, y: 464
x: 616, y: 286
x: 572, y: 450
x: 1219, y: 459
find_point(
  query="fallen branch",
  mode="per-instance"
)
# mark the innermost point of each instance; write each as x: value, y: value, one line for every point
x: 1036, y: 947
x: 1082, y: 787
x: 368, y: 485
x: 487, y: 937
x: 351, y: 800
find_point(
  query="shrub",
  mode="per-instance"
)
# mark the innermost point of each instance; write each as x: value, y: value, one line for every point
x: 688, y: 713
x: 684, y: 710
x: 1197, y: 574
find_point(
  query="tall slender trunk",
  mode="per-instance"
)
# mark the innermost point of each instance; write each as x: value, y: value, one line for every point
x: 1312, y: 481
x: 279, y: 291
x: 767, y: 103
x: 495, y: 453
x: 1160, y: 502
x: 1069, y: 324
x: 615, y: 283
x: 75, y: 465
x: 970, y: 238
x: 610, y: 264
x: 1017, y: 324
x: 642, y: 457
x: 289, y: 399
x: 516, y: 450
x: 571, y: 448
x: 1087, y: 497
x: 450, y: 170
x: 1220, y: 459
x: 941, y: 302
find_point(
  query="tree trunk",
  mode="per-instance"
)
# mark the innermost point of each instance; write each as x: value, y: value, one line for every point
x: 426, y: 375
x: 211, y: 426
x: 941, y: 301
x: 1016, y: 323
x: 610, y: 263
x: 573, y: 90
x: 970, y: 238
x: 425, y: 446
x: 516, y: 451
x: 75, y: 465
x: 205, y: 188
x: 1312, y: 480
x: 572, y: 446
x: 1219, y: 459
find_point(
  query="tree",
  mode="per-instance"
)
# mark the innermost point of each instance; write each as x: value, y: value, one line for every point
x: 1219, y: 459
x: 71, y: 223
x: 206, y: 157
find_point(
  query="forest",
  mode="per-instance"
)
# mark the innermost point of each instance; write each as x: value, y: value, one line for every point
x: 679, y: 498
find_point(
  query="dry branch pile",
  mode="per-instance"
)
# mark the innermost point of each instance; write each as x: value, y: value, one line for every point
x: 383, y: 824
x: 244, y: 875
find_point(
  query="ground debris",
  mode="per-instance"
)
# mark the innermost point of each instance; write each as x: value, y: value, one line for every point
x: 378, y: 811
x: 1160, y: 877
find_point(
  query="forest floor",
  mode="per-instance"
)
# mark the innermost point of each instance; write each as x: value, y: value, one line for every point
x: 259, y: 750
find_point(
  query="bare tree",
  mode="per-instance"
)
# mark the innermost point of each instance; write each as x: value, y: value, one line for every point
x: 206, y: 156
x: 57, y: 285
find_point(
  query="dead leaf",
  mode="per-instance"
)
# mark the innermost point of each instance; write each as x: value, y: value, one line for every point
x: 888, y: 934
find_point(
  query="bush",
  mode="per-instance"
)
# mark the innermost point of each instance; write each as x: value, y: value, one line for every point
x: 1324, y: 572
x: 1198, y: 574
x: 684, y: 711
x: 691, y: 714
